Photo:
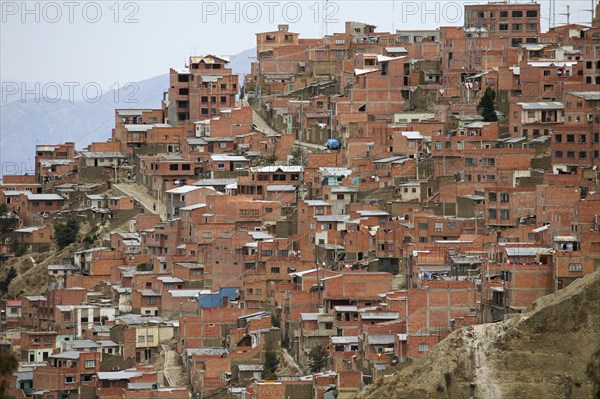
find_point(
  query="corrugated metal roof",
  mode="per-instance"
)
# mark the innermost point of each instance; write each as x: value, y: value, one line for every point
x: 44, y: 197
x: 118, y: 375
x: 344, y: 340
x: 380, y: 339
x: 542, y: 105
x: 280, y: 187
x: 588, y: 95
x: 182, y: 190
x: 380, y: 315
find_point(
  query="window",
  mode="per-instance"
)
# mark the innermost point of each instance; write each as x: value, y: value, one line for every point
x: 275, y: 270
x: 517, y: 14
x: 503, y: 14
x: 423, y: 348
x: 438, y: 145
x: 503, y: 27
x: 207, y: 234
x: 558, y: 138
x: 558, y: 154
x: 531, y: 14
x: 90, y: 364
x: 223, y: 99
x: 504, y: 214
x: 504, y: 197
x: 221, y: 166
x: 492, y: 213
x: 517, y: 27
x: 582, y: 154
x: 186, y: 166
x: 575, y: 267
x: 531, y: 27
x: 492, y: 197
x: 570, y: 138
x: 266, y: 252
x: 439, y: 226
x: 571, y: 154
x: 259, y: 291
x: 151, y: 300
x: 582, y: 138
x: 546, y: 72
x: 173, y: 167
x: 150, y: 339
x: 470, y: 161
x: 249, y: 212
x: 422, y: 226
x: 141, y: 338
x: 70, y: 379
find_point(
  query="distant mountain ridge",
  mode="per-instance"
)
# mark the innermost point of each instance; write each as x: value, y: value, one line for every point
x: 23, y: 124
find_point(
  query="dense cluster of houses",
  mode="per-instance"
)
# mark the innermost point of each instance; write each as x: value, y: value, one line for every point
x: 427, y: 219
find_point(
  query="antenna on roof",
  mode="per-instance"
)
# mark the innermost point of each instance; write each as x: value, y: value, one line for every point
x: 552, y: 16
x: 568, y: 14
x: 393, y: 16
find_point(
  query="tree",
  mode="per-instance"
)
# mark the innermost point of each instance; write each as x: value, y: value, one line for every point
x: 8, y: 221
x: 486, y: 105
x: 92, y: 236
x: 12, y: 273
x: 298, y: 156
x: 66, y: 233
x: 318, y: 358
x: 271, y: 363
x: 8, y: 365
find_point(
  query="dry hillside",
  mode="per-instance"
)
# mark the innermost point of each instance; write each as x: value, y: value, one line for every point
x: 541, y: 354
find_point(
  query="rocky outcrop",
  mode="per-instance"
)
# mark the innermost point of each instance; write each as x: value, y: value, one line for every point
x: 542, y: 353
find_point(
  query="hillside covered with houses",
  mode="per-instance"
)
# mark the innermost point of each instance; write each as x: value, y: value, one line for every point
x: 322, y: 223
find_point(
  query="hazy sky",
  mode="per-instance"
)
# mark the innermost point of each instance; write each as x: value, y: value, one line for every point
x: 109, y: 41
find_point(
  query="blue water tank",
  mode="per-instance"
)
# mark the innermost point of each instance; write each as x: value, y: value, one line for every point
x: 333, y: 144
